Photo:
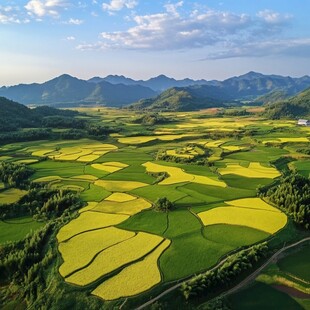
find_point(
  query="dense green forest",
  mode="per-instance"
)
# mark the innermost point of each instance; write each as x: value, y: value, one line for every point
x: 292, y: 195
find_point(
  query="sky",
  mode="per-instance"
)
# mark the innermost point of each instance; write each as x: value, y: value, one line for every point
x: 202, y: 39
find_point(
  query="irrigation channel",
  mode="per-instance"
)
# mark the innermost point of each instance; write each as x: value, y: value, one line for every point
x: 244, y: 282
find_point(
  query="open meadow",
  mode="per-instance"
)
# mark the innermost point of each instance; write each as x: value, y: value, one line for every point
x: 119, y: 246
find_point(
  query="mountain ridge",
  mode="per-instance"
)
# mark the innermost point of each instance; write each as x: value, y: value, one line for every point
x: 118, y: 90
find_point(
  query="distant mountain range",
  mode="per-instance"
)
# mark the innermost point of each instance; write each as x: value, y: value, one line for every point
x: 186, y: 94
x: 68, y: 91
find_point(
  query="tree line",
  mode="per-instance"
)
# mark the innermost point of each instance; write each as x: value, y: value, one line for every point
x: 206, y: 284
x: 292, y: 195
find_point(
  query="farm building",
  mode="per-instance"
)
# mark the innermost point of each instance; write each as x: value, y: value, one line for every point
x: 303, y: 122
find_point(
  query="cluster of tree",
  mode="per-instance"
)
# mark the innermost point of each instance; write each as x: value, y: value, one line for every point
x: 292, y: 196
x: 221, y: 277
x: 27, y: 135
x: 97, y: 130
x: 151, y: 119
x: 305, y: 150
x: 15, y: 175
x: 58, y: 121
x: 233, y: 112
x: 163, y: 204
x: 42, y: 203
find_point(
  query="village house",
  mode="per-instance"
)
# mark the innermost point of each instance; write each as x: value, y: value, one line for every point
x: 303, y: 122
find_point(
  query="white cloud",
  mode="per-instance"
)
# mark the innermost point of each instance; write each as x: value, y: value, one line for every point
x: 289, y: 47
x: 41, y: 8
x: 11, y: 15
x: 117, y: 5
x: 70, y: 38
x: 227, y: 32
x: 272, y: 17
x: 73, y: 21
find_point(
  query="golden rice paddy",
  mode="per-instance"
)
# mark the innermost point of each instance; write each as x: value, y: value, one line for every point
x: 88, y: 153
x: 120, y: 197
x: 90, y: 206
x: 109, y: 166
x: 252, y: 203
x: 129, y: 281
x: 119, y: 186
x: 177, y: 175
x: 11, y: 195
x: 255, y: 170
x: 115, y: 257
x: 287, y: 140
x: 88, y: 221
x: 249, y: 212
x: 81, y: 249
x: 144, y: 139
x: 127, y: 207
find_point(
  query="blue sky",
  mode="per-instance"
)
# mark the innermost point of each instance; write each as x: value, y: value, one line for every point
x: 211, y: 39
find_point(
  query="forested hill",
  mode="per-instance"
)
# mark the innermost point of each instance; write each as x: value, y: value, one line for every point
x: 185, y: 99
x: 14, y: 115
x: 297, y: 106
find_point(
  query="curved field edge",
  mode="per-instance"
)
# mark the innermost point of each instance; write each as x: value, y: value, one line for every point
x: 129, y: 281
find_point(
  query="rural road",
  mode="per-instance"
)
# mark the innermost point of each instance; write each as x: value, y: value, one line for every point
x: 250, y: 278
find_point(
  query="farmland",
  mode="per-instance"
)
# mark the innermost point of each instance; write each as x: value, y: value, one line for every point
x: 208, y: 168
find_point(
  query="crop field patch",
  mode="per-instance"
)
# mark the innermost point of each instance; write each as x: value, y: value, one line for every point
x: 272, y: 299
x: 266, y: 221
x: 76, y: 152
x: 245, y: 183
x: 177, y: 175
x: 17, y: 229
x: 233, y: 235
x: 94, y: 193
x: 120, y: 197
x: 129, y: 281
x: 62, y: 169
x: 81, y: 249
x: 152, y: 192
x: 215, y: 193
x: 296, y: 264
x: 259, y: 154
x: 182, y: 222
x: 288, y: 140
x: 145, y: 139
x: 255, y: 170
x: 189, y: 254
x: 119, y: 186
x: 11, y: 195
x: 115, y: 257
x: 141, y: 222
x: 302, y: 167
x: 127, y: 207
x: 89, y: 221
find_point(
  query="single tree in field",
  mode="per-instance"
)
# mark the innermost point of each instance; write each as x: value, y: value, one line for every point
x: 163, y: 204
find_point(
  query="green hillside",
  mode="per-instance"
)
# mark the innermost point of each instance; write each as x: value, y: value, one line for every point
x: 297, y: 106
x: 183, y: 99
x: 14, y: 115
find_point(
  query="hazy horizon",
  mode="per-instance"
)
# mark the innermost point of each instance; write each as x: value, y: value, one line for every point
x: 42, y: 39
